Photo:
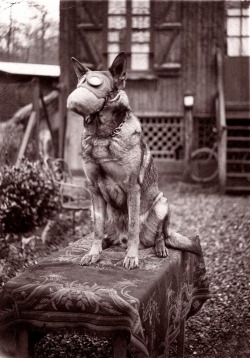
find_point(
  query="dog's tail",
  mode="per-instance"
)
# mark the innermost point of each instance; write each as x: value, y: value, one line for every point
x: 183, y: 243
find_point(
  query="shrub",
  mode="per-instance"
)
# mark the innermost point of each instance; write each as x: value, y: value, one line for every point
x: 10, y: 140
x: 28, y: 196
x: 11, y: 135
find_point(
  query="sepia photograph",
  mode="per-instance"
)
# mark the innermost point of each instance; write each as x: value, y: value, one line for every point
x: 124, y: 178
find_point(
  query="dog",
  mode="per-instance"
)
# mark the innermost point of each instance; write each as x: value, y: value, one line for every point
x: 128, y: 207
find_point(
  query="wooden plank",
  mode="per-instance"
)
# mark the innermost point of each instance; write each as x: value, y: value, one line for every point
x: 89, y: 15
x: 167, y: 44
x: 238, y: 175
x: 68, y: 43
x: 36, y: 108
x: 238, y: 150
x: 136, y: 76
x: 159, y: 114
x: 238, y: 105
x: 221, y: 103
x: 238, y: 139
x: 63, y: 124
x: 181, y: 340
x: 89, y: 26
x: 47, y: 119
x: 238, y: 161
x: 168, y: 26
x: 203, y: 31
x: 26, y: 110
x: 221, y: 125
x: 222, y: 160
x: 119, y: 345
x: 188, y: 132
x: 91, y: 50
x: 238, y: 115
x: 245, y: 128
x: 23, y: 343
x: 238, y: 188
x: 31, y: 124
x: 67, y: 50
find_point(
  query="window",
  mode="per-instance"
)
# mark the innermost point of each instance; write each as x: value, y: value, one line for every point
x: 129, y: 31
x: 238, y: 28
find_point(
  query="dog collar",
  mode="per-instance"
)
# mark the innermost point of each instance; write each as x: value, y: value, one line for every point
x: 115, y: 131
x: 118, y: 129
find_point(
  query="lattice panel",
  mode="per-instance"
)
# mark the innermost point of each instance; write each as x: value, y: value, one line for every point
x: 206, y: 128
x: 164, y: 137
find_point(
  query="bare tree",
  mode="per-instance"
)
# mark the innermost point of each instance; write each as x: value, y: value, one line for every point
x: 43, y: 25
x: 35, y: 40
x: 8, y: 4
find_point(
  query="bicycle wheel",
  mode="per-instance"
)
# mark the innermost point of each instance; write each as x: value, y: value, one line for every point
x: 204, y: 165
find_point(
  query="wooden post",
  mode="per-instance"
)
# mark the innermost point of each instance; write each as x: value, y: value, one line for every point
x: 181, y: 340
x: 188, y: 134
x: 221, y: 125
x: 119, y: 345
x: 47, y: 120
x: 67, y: 49
x: 31, y: 124
x: 222, y: 160
x: 63, y: 120
x: 36, y: 108
x: 23, y: 343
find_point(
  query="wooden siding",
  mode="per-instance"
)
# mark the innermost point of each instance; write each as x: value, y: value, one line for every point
x: 158, y: 95
x: 185, y: 36
x: 203, y: 32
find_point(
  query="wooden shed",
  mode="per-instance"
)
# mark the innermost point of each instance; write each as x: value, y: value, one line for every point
x: 25, y: 88
x: 177, y: 52
x: 16, y: 81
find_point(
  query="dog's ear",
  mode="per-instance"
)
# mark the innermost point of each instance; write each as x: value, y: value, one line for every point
x: 118, y: 69
x: 79, y: 68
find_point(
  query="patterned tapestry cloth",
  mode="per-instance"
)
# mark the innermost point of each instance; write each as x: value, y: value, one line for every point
x: 148, y: 303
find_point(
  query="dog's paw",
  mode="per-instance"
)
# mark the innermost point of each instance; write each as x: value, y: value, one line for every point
x: 89, y: 259
x: 161, y: 250
x: 131, y: 262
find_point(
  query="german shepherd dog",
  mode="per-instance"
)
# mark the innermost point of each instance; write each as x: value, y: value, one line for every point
x: 128, y: 207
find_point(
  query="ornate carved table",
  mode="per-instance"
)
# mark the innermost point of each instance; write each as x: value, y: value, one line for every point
x: 144, y: 310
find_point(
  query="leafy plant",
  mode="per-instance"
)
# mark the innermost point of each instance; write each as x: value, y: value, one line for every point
x: 10, y: 140
x: 28, y: 196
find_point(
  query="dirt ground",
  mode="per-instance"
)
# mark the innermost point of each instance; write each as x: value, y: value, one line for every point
x: 222, y: 327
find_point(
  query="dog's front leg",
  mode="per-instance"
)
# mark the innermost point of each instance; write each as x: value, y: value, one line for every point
x: 133, y: 200
x: 99, y: 214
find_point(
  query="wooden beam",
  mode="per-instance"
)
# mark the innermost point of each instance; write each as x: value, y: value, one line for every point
x: 119, y: 345
x: 26, y: 110
x: 221, y: 125
x: 91, y: 50
x: 30, y: 126
x: 36, y: 108
x: 188, y: 133
x: 63, y: 120
x: 47, y: 119
x: 67, y: 49
x: 181, y: 340
x: 23, y: 343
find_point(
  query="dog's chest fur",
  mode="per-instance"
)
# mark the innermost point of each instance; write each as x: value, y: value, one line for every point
x: 112, y: 163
